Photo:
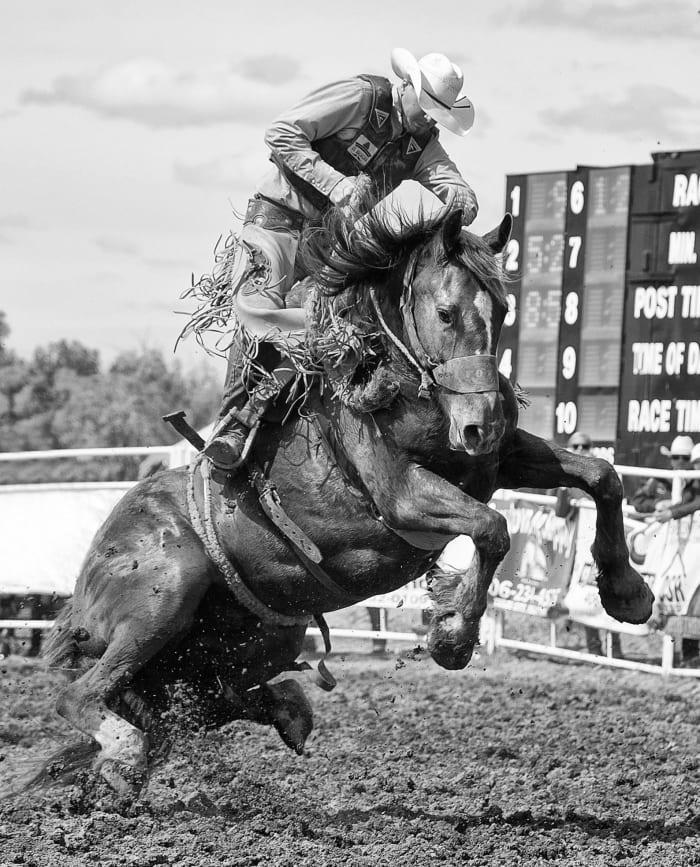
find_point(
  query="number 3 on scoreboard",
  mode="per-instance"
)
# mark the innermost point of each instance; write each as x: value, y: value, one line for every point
x: 567, y: 416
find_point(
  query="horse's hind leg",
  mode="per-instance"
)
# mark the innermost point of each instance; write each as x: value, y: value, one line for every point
x: 84, y: 704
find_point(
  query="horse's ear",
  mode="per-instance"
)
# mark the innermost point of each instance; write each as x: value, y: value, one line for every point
x: 451, y: 232
x: 497, y: 238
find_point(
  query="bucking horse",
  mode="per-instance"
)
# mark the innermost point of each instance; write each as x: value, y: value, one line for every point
x: 190, y: 580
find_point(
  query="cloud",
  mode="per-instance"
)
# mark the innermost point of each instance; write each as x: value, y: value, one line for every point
x: 127, y: 249
x: 117, y: 245
x: 631, y: 21
x: 642, y: 110
x: 9, y: 223
x: 16, y: 221
x: 163, y: 262
x: 231, y: 172
x: 270, y: 68
x: 151, y: 93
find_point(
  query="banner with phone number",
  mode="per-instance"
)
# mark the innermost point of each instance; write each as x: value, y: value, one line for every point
x: 534, y: 576
x: 582, y: 600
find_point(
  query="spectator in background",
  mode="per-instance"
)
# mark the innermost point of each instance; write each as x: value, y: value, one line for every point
x: 654, y: 493
x: 578, y: 442
x: 581, y: 443
x: 690, y: 496
x: 689, y: 503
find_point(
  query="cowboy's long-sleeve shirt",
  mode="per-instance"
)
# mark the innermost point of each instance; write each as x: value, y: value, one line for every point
x: 337, y: 109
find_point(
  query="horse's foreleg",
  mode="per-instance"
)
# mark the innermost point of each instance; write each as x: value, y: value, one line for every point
x: 460, y: 600
x: 426, y: 503
x: 532, y: 462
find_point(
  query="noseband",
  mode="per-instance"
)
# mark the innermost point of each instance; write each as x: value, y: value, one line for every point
x: 465, y: 374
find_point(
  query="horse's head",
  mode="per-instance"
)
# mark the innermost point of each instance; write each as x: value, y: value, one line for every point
x: 436, y: 290
x: 453, y: 310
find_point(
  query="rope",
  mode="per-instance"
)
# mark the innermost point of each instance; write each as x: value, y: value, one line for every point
x: 206, y: 531
x: 390, y: 334
x: 427, y: 383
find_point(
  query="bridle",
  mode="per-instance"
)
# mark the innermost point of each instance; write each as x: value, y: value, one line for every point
x: 464, y: 374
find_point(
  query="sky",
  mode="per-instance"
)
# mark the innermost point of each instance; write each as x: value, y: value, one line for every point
x: 131, y: 133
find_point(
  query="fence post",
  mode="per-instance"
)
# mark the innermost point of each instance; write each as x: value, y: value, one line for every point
x: 667, y: 648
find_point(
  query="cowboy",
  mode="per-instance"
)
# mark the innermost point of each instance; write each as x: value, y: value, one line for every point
x: 361, y: 126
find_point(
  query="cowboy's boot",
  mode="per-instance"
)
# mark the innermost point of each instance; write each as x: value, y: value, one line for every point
x: 241, y: 412
x: 227, y: 449
x: 237, y: 417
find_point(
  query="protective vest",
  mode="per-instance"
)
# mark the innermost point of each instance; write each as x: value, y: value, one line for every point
x: 372, y: 150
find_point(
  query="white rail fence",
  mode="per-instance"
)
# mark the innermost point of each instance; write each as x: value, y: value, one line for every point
x: 47, y: 561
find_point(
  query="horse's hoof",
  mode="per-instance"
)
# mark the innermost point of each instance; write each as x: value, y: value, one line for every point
x: 451, y: 640
x: 291, y: 714
x: 126, y: 780
x: 635, y: 606
x: 448, y: 656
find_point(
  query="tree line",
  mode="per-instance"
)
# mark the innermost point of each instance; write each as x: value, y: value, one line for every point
x: 63, y: 398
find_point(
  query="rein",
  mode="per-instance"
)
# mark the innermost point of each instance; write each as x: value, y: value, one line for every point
x: 465, y: 374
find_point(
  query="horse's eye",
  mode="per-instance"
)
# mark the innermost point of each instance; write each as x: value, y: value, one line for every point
x: 445, y: 316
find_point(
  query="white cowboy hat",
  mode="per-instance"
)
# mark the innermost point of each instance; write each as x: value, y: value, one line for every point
x: 681, y: 445
x: 438, y: 84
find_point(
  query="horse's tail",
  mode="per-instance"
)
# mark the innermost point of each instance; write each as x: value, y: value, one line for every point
x: 60, y: 649
x: 60, y: 768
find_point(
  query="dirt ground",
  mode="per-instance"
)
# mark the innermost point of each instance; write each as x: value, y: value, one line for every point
x: 513, y: 761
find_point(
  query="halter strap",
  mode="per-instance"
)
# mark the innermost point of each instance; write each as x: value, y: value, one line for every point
x: 468, y: 374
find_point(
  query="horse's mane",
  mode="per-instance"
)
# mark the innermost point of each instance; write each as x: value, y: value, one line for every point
x: 368, y: 244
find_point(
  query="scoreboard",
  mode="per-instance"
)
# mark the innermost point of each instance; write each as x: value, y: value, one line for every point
x: 603, y: 279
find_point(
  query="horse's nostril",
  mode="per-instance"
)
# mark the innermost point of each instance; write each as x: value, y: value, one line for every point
x: 472, y: 435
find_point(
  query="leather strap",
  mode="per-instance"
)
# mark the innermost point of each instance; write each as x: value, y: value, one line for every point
x: 270, y: 502
x: 306, y: 551
x: 468, y: 374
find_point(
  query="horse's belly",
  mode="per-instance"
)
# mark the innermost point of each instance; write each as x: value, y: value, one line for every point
x: 229, y: 644
x: 424, y: 540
